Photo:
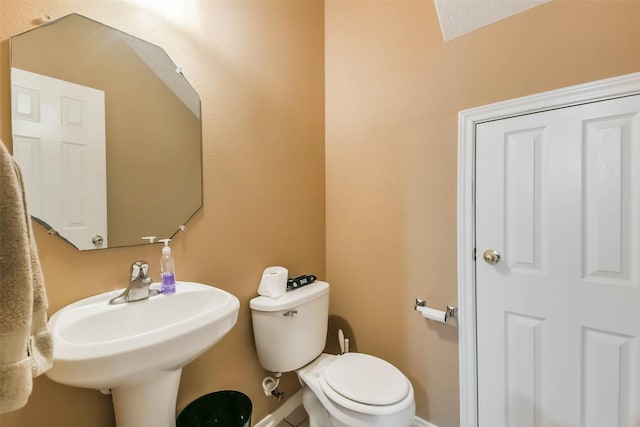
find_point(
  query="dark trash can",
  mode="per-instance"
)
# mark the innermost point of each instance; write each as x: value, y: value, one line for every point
x: 227, y: 408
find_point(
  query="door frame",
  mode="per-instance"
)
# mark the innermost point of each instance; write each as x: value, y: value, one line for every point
x: 600, y: 90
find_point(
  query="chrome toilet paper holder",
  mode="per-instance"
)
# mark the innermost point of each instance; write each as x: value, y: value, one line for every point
x: 451, y: 312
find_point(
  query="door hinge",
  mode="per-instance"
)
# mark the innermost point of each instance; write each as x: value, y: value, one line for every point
x: 474, y: 254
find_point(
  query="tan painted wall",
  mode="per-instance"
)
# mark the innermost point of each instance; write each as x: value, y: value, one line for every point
x: 259, y: 70
x: 393, y: 91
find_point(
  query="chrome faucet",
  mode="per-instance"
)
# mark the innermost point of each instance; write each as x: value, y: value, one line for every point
x: 138, y: 288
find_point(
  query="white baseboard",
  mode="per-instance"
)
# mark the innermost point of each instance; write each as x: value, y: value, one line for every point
x: 284, y: 410
x: 419, y: 422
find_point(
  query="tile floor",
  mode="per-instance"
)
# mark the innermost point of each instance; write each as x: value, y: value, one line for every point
x: 297, y: 418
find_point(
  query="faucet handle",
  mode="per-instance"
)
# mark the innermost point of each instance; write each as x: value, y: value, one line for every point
x: 144, y: 269
x: 139, y: 270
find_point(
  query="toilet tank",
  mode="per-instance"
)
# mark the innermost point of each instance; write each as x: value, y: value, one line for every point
x: 291, y: 331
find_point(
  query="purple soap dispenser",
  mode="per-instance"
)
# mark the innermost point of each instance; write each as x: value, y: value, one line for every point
x: 167, y: 267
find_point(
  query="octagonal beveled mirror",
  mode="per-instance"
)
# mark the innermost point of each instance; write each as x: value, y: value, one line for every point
x: 107, y: 132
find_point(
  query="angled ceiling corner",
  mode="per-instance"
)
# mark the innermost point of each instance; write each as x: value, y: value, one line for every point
x: 459, y: 17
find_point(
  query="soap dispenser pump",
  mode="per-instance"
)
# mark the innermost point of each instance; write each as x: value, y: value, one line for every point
x: 167, y: 267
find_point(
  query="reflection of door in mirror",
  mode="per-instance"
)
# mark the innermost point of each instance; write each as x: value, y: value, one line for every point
x: 151, y: 123
x: 59, y: 143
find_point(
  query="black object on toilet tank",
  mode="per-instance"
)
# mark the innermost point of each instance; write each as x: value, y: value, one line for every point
x: 294, y: 283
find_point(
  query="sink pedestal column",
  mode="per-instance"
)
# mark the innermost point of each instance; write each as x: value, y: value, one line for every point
x: 150, y: 404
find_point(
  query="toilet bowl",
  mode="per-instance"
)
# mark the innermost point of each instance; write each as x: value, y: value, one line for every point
x: 350, y: 390
x: 356, y: 390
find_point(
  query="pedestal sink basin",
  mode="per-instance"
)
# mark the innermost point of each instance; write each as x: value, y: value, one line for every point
x: 137, y: 349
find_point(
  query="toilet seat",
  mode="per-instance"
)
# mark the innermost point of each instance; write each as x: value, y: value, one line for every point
x: 365, y: 384
x: 312, y: 375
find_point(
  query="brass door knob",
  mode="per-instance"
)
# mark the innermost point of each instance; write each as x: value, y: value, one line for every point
x: 491, y: 256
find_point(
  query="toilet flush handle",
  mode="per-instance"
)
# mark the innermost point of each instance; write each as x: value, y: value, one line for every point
x: 290, y: 313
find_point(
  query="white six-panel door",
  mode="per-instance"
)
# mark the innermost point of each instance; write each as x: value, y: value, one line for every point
x: 59, y: 141
x: 558, y: 316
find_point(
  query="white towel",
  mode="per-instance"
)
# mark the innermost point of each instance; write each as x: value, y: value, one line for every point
x: 26, y: 348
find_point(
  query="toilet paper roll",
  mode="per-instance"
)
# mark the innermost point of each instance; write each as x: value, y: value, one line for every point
x: 433, y: 314
x: 273, y: 283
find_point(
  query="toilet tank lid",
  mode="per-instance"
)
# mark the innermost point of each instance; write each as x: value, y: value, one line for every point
x: 290, y: 299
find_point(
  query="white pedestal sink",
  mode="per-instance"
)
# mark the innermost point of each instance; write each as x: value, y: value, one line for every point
x: 137, y: 349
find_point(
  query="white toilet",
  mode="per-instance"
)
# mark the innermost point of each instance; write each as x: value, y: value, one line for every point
x: 352, y: 390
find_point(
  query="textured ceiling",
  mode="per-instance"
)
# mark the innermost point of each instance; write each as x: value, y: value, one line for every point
x: 459, y: 17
